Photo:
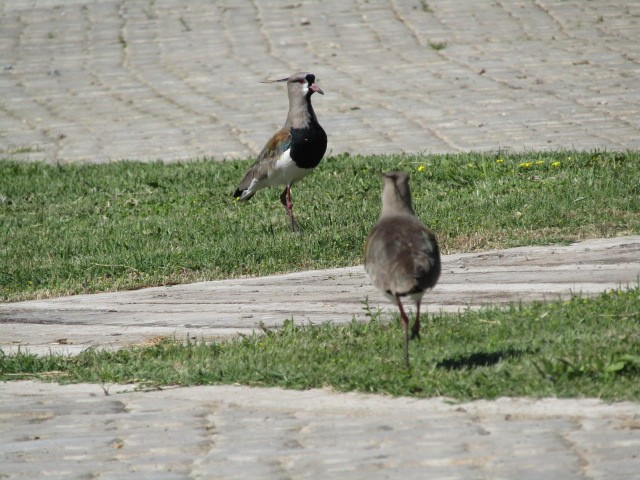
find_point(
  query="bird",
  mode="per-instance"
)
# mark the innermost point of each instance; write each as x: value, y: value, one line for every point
x: 402, y: 257
x: 294, y: 151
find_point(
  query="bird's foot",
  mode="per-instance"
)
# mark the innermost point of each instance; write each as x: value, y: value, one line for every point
x: 294, y: 224
x: 415, y: 330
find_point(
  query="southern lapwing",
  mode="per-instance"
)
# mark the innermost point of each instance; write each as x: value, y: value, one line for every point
x: 401, y: 254
x: 294, y: 151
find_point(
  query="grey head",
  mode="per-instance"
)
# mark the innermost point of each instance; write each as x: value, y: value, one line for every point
x: 300, y: 84
x: 300, y: 87
x: 396, y: 195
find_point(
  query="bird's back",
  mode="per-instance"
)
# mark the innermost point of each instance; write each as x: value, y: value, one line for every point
x: 402, y: 256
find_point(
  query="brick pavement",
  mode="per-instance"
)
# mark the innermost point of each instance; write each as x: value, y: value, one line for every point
x: 231, y: 432
x: 93, y: 81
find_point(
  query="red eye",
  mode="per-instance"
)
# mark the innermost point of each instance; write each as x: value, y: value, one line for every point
x: 301, y: 80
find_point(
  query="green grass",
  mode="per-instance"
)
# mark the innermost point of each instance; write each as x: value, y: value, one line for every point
x: 88, y: 228
x: 438, y: 45
x: 576, y: 348
x: 72, y: 229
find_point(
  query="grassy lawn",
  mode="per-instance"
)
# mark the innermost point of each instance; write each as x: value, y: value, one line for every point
x: 577, y: 348
x: 77, y: 229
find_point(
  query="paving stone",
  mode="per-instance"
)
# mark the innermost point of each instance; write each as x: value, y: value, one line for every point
x: 242, y: 432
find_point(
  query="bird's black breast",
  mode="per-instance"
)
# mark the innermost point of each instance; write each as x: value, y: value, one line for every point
x: 308, y: 145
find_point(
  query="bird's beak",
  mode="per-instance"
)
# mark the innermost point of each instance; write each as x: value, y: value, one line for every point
x: 315, y: 88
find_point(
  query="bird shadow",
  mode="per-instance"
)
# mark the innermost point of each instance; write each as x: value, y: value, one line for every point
x: 481, y: 359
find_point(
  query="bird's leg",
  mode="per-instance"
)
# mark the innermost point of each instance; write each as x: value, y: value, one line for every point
x: 415, y: 330
x: 285, y: 199
x: 405, y: 324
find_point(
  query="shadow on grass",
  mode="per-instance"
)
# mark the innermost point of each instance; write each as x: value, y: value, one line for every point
x: 481, y: 359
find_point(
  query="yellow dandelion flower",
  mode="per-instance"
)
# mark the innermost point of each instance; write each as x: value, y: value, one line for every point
x: 421, y: 168
x: 556, y: 164
x: 540, y: 162
x: 525, y: 165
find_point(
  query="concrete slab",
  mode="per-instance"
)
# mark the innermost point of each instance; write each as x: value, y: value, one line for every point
x: 226, y: 307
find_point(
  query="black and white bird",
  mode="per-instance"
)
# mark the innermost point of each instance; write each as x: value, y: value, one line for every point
x: 292, y: 152
x: 401, y: 256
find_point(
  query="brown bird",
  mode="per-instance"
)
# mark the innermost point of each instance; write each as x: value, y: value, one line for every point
x: 294, y: 151
x: 401, y: 255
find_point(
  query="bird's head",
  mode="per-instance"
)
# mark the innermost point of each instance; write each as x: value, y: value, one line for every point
x: 302, y: 83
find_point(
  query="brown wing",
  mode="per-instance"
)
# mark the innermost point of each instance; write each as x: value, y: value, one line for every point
x: 267, y: 159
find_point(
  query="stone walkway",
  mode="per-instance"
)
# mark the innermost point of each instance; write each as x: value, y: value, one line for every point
x: 103, y: 80
x: 228, y: 307
x: 93, y: 81
x: 230, y: 432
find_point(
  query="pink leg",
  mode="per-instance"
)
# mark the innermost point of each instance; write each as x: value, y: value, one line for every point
x: 415, y: 331
x: 285, y: 199
x: 405, y: 324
